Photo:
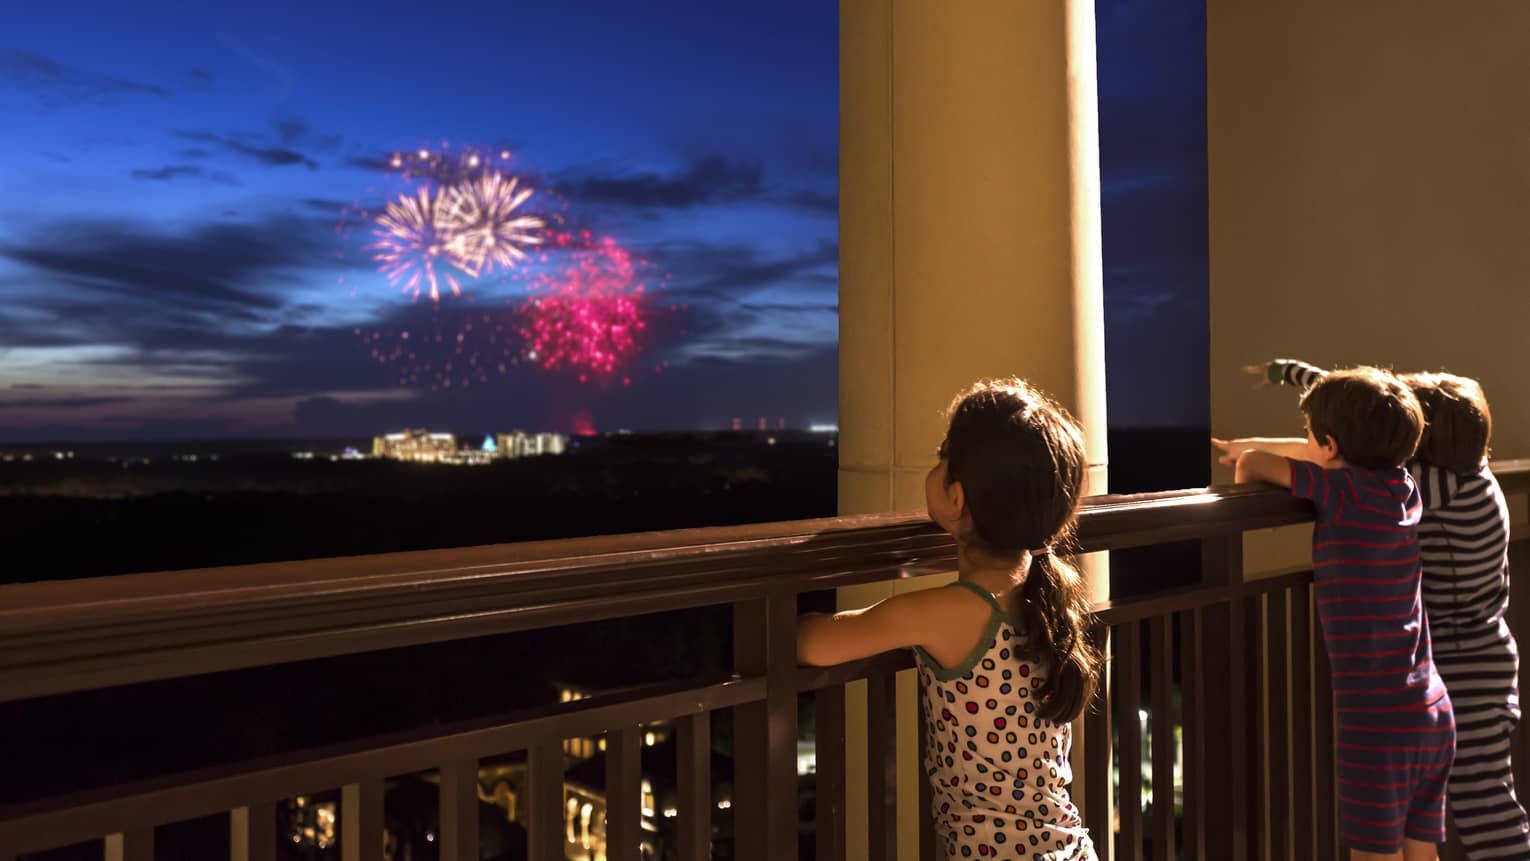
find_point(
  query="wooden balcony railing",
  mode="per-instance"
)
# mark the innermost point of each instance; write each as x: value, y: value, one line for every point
x: 1235, y: 698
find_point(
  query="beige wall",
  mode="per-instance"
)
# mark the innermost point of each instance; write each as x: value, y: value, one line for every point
x: 1369, y: 170
x: 969, y: 248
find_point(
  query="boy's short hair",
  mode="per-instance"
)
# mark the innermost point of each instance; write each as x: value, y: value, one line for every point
x: 1371, y: 415
x: 1457, y: 424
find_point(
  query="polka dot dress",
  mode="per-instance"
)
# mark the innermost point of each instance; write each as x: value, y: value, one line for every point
x: 999, y: 773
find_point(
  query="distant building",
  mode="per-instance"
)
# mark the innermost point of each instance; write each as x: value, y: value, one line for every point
x: 521, y: 444
x: 416, y: 446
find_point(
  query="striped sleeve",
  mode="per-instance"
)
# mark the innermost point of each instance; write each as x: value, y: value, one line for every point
x: 1436, y: 485
x: 1309, y: 481
x: 1295, y: 373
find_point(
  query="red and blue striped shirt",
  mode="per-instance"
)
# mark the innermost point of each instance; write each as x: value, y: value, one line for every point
x: 1365, y: 558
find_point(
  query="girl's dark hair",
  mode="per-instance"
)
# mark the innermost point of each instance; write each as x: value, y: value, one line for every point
x: 1020, y: 459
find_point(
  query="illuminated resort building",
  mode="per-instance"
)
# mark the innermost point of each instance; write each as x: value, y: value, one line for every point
x: 416, y: 446
x: 521, y: 444
x: 421, y: 446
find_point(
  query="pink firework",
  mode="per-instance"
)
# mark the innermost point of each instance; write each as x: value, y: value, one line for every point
x: 415, y: 235
x: 591, y: 335
x: 588, y: 314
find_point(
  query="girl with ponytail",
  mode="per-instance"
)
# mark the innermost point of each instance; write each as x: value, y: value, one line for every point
x: 1004, y: 660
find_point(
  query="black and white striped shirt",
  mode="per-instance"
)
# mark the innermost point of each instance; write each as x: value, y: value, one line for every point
x: 1463, y: 540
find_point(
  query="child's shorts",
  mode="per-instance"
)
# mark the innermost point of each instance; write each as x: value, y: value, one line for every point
x: 1391, y: 784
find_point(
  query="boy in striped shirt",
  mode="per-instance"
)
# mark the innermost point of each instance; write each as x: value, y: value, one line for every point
x: 1464, y: 540
x: 1395, y: 727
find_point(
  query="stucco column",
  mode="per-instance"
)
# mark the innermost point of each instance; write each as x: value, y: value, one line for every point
x: 969, y: 248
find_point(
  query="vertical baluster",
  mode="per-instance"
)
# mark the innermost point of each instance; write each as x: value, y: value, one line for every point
x: 927, y: 845
x: 1227, y: 821
x: 1323, y: 720
x: 1519, y: 616
x: 1302, y: 748
x: 765, y: 742
x: 135, y: 845
x: 624, y: 794
x: 750, y: 659
x: 459, y: 811
x: 1098, y: 815
x: 1255, y: 654
x: 1279, y: 699
x: 252, y: 832
x: 1128, y: 696
x: 361, y: 820
x: 882, y: 766
x: 830, y: 752
x: 546, y: 832
x: 1161, y: 682
x: 695, y: 790
x: 1193, y: 706
x: 781, y: 716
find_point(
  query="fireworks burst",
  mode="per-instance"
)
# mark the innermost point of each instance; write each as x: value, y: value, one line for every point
x: 587, y: 315
x: 586, y: 334
x: 576, y: 302
x: 487, y: 230
x: 414, y: 236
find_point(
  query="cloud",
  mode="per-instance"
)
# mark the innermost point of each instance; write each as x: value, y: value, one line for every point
x: 785, y: 308
x: 172, y: 172
x: 200, y: 76
x: 58, y: 84
x: 826, y: 203
x: 291, y: 129
x: 322, y: 204
x: 76, y: 403
x: 703, y: 269
x: 271, y: 156
x: 381, y: 163
x: 706, y: 180
x: 213, y: 267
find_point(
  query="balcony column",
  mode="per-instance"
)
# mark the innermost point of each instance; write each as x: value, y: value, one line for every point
x: 969, y: 248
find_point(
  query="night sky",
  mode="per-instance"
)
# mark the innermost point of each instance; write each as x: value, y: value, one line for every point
x: 172, y: 180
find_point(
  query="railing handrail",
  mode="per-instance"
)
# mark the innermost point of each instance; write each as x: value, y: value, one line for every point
x: 61, y: 636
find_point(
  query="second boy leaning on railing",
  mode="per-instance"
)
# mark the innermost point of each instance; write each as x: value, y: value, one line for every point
x: 1004, y: 663
x: 1463, y: 543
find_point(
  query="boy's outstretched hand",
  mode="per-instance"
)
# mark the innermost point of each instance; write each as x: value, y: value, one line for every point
x: 1230, y: 449
x: 1261, y: 374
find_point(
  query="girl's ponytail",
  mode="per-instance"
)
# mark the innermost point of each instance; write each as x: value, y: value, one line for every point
x: 1055, y: 612
x: 1020, y: 459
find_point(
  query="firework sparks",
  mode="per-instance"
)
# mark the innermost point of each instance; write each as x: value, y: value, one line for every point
x: 446, y: 351
x: 588, y: 315
x: 446, y: 166
x: 586, y: 334
x: 414, y: 236
x: 488, y: 231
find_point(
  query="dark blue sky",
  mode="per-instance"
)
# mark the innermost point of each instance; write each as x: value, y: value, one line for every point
x: 171, y: 178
